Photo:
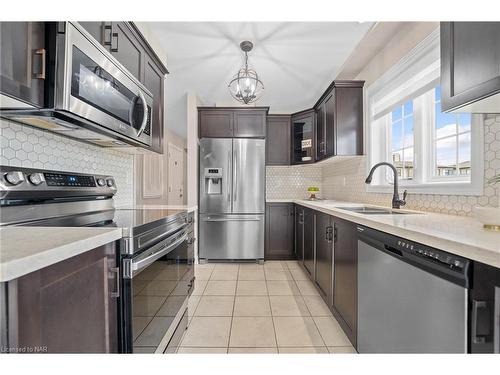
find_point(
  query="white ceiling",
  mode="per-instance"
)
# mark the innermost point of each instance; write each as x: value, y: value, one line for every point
x: 295, y: 60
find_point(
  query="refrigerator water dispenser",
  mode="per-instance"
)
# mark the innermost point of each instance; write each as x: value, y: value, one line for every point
x: 213, y: 181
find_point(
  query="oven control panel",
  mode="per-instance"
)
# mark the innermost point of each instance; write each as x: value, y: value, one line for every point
x: 61, y: 179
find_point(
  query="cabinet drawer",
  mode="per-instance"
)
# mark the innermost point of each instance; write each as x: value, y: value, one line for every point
x: 250, y: 125
x: 216, y: 124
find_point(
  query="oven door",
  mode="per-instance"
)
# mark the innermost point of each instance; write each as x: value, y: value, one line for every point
x: 156, y: 285
x: 98, y: 88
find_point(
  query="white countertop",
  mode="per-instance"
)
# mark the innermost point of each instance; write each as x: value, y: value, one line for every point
x: 28, y: 249
x: 459, y: 235
x: 157, y: 207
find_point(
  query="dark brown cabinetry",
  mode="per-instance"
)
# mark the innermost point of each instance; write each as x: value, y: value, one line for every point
x: 98, y: 30
x: 23, y: 61
x: 278, y: 140
x: 345, y: 276
x: 228, y: 122
x: 324, y: 254
x: 77, y: 297
x: 154, y: 81
x: 470, y: 61
x: 339, y: 120
x: 303, y: 137
x: 125, y: 46
x: 279, y: 231
x: 308, y: 246
x: 299, y: 233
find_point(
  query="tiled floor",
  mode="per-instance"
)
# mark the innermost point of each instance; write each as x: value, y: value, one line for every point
x: 252, y: 308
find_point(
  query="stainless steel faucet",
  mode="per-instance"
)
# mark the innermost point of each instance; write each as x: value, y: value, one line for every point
x: 396, y: 202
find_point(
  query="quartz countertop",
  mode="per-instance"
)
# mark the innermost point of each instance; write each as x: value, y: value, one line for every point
x: 464, y: 236
x: 27, y: 249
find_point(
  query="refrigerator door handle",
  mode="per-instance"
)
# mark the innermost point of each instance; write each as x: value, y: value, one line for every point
x: 228, y: 169
x: 235, y: 174
x: 208, y: 219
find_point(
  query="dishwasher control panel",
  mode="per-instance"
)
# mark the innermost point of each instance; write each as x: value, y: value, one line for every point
x: 453, y: 261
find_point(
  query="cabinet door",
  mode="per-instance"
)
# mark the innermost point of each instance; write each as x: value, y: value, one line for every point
x: 249, y: 124
x: 69, y: 307
x: 324, y: 251
x: 470, y: 61
x: 329, y: 108
x: 299, y: 233
x: 348, y: 130
x: 127, y: 49
x: 303, y: 142
x: 345, y: 276
x: 279, y: 231
x: 320, y: 132
x: 278, y: 140
x: 98, y: 31
x: 215, y: 124
x: 309, y: 235
x: 154, y: 81
x: 22, y: 61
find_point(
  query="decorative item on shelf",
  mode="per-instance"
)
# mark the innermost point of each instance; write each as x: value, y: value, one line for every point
x: 489, y: 216
x: 313, y: 190
x: 246, y: 87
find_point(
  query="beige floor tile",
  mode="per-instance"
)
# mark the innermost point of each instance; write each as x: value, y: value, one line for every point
x: 138, y: 325
x: 251, y: 266
x: 251, y: 288
x: 316, y: 306
x: 171, y: 306
x: 144, y: 349
x: 147, y: 305
x: 331, y: 332
x: 158, y: 288
x: 220, y: 288
x: 154, y: 332
x: 252, y: 332
x: 251, y: 274
x: 292, y: 264
x: 202, y: 274
x: 276, y: 274
x: 205, y: 266
x: 342, y: 350
x: 188, y: 350
x: 299, y: 274
x: 227, y: 266
x: 252, y: 306
x: 273, y: 264
x: 192, y: 305
x: 304, y: 350
x: 282, y: 288
x: 168, y: 274
x: 224, y: 274
x: 207, y: 332
x: 215, y: 306
x: 253, y: 350
x: 199, y: 287
x: 288, y: 306
x: 297, y: 332
x: 306, y: 288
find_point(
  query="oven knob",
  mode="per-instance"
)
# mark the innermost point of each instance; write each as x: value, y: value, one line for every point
x: 36, y: 178
x: 14, y: 177
x: 101, y: 182
x: 110, y: 182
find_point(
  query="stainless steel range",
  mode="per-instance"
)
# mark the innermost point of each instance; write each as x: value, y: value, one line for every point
x: 155, y: 254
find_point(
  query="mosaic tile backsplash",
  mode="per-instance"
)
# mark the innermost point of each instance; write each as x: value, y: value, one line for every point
x: 354, y: 172
x: 291, y: 181
x: 28, y: 147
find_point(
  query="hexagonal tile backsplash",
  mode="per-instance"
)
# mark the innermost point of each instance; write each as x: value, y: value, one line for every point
x: 28, y: 147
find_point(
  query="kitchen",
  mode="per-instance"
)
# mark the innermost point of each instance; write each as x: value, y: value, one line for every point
x: 162, y: 192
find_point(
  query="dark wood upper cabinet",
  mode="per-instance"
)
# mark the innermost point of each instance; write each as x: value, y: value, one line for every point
x: 228, y: 122
x: 303, y: 137
x: 299, y: 233
x: 324, y: 254
x: 279, y: 231
x: 309, y: 234
x: 154, y: 80
x: 345, y: 276
x: 23, y: 61
x: 278, y: 140
x: 101, y: 31
x: 339, y: 120
x: 68, y: 307
x: 470, y: 67
x: 125, y: 46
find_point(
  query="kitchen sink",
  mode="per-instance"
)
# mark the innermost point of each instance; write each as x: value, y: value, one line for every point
x: 367, y: 210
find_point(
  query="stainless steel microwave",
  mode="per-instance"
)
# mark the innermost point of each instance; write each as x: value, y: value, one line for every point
x: 88, y: 94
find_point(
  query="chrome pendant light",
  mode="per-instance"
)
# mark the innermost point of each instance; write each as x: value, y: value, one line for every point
x: 246, y: 87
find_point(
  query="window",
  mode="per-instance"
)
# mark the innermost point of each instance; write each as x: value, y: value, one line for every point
x: 433, y: 152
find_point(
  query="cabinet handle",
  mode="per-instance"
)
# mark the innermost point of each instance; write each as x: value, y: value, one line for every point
x: 43, y: 53
x: 116, y: 293
x: 112, y: 36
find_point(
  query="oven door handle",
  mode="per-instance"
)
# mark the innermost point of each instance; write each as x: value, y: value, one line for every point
x: 131, y: 267
x: 145, y: 111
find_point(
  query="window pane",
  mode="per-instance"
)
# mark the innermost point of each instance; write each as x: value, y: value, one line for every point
x: 464, y: 121
x: 408, y: 163
x: 397, y: 135
x: 396, y: 114
x: 445, y: 123
x: 408, y: 131
x: 408, y: 108
x: 464, y: 158
x: 446, y: 156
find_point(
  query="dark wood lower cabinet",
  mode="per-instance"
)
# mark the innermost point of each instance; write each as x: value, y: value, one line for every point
x: 279, y: 231
x: 299, y: 233
x: 324, y: 254
x: 69, y: 307
x: 309, y: 241
x: 345, y: 276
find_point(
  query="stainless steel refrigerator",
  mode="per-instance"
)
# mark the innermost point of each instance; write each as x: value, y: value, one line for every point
x: 232, y: 198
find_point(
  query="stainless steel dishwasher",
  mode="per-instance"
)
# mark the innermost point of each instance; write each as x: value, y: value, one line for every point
x: 411, y: 298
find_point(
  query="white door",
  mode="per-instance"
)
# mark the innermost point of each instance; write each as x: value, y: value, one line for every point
x: 175, y: 175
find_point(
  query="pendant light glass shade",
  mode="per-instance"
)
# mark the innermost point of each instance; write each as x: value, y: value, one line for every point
x: 246, y: 87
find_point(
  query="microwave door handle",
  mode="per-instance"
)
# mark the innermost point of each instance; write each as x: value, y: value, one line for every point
x: 145, y: 113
